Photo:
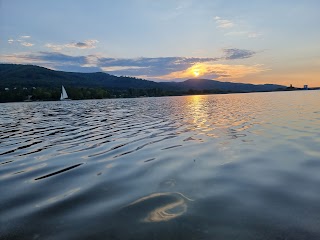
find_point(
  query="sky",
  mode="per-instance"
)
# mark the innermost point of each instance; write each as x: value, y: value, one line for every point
x: 265, y: 41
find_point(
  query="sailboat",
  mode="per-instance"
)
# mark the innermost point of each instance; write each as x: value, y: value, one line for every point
x: 64, y: 95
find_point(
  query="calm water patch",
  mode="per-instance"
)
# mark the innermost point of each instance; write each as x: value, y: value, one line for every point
x: 237, y: 166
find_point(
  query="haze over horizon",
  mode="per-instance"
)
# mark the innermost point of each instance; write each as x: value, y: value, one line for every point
x: 253, y: 42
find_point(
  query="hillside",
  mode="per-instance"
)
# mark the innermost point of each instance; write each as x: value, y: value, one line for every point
x: 12, y: 75
x: 205, y: 84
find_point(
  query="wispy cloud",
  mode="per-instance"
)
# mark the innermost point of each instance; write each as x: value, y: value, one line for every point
x: 184, y: 4
x: 120, y: 68
x: 19, y: 58
x: 235, y: 53
x: 180, y: 8
x: 54, y: 47
x: 223, y: 23
x: 83, y: 45
x: 88, y: 44
x: 235, y: 30
x: 27, y: 44
x: 22, y: 41
x: 47, y: 59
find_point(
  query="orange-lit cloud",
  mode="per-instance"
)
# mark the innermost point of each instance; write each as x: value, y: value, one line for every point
x: 18, y: 58
x: 218, y: 71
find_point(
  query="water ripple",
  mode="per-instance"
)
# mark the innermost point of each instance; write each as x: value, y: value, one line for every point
x: 57, y: 172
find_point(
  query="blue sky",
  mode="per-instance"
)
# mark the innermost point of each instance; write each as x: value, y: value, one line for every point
x: 239, y: 41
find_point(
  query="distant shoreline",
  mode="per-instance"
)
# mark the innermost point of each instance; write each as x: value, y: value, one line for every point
x: 176, y: 95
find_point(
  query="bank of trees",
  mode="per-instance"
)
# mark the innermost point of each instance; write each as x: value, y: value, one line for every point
x: 77, y: 93
x: 51, y: 94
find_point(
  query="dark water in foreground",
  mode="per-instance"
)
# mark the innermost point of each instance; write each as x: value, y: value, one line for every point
x: 240, y: 166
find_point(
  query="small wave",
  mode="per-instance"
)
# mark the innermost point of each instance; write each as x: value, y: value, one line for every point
x: 60, y: 171
x: 175, y: 146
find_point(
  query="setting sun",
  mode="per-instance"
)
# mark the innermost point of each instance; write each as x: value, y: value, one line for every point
x: 196, y: 72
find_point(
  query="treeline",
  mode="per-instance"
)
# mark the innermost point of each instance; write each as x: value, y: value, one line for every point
x: 50, y: 94
x: 76, y: 93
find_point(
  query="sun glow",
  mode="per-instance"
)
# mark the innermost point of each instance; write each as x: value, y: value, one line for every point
x: 216, y: 71
x: 196, y: 72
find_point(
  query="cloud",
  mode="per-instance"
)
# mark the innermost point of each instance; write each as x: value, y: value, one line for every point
x: 178, y: 9
x: 119, y: 68
x: 18, y: 58
x: 235, y: 53
x: 21, y: 40
x: 88, y: 44
x: 83, y: 45
x: 51, y: 60
x: 223, y: 23
x: 54, y: 47
x: 150, y: 68
x: 55, y: 57
x: 27, y: 44
x: 184, y: 4
x: 236, y: 30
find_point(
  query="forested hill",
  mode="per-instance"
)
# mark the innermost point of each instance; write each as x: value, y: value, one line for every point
x: 12, y: 75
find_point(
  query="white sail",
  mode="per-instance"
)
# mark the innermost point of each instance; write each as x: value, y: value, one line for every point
x: 64, y: 94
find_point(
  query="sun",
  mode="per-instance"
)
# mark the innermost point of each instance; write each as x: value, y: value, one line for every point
x: 196, y: 72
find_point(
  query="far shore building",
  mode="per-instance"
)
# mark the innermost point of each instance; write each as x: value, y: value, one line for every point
x: 305, y: 87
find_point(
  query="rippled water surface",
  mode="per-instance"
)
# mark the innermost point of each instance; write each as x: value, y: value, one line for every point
x: 238, y: 166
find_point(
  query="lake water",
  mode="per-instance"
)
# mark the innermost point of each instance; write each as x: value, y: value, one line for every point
x: 236, y: 166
